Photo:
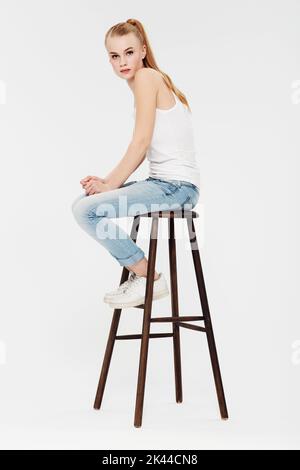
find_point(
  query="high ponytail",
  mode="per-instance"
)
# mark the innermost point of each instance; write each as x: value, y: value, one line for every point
x: 133, y: 25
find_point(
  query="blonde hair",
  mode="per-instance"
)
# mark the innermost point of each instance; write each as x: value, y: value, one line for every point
x: 134, y: 26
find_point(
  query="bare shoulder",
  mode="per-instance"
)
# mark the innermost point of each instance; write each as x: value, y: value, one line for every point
x: 148, y: 74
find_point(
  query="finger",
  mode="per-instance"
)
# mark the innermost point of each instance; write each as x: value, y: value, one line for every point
x: 84, y: 180
x: 96, y: 178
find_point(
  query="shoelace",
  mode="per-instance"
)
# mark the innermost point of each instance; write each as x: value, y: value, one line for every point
x: 125, y: 284
x: 133, y: 281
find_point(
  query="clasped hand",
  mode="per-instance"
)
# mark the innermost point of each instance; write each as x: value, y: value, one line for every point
x: 94, y: 185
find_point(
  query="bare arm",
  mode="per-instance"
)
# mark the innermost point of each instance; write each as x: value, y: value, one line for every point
x: 132, y: 159
x: 146, y: 88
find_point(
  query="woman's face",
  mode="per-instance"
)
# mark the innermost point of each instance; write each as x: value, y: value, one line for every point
x: 125, y: 52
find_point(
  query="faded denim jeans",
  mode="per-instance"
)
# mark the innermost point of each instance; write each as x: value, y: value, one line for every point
x: 94, y: 213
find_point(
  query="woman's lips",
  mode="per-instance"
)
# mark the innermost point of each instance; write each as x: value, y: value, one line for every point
x: 125, y: 71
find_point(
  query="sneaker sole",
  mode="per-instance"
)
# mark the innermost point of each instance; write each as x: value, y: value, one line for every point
x: 160, y: 295
x: 109, y: 298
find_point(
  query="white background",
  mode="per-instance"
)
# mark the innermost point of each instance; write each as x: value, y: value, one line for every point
x: 64, y: 115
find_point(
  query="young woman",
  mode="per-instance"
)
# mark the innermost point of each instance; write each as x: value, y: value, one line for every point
x: 163, y: 133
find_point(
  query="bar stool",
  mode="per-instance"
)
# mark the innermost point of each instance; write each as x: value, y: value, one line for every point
x: 176, y: 320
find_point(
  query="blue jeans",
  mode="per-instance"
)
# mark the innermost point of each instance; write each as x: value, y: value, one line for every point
x: 93, y: 213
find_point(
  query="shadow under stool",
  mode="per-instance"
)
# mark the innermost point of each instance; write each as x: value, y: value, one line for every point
x: 176, y: 320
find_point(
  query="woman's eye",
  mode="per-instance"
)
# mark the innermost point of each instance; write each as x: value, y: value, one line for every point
x: 129, y: 52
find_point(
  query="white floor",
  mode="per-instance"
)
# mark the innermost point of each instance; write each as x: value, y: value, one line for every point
x: 57, y: 413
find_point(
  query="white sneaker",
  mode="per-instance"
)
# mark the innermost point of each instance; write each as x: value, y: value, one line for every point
x: 134, y: 292
x: 109, y: 295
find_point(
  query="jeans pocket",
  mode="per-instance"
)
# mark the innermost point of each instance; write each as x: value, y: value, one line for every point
x: 168, y: 187
x: 192, y: 196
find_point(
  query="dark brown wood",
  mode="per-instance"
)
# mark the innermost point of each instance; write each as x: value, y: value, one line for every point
x: 146, y: 325
x: 192, y: 327
x: 179, y: 213
x: 113, y: 328
x: 175, y: 309
x: 207, y: 318
x: 151, y: 335
x: 175, y: 319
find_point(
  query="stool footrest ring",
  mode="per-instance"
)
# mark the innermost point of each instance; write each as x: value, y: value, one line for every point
x: 176, y: 319
x: 192, y: 327
x: 151, y: 335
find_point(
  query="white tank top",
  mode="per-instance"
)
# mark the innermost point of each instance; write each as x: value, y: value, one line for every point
x: 172, y: 154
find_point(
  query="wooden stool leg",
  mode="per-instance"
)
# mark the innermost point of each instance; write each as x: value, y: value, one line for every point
x: 113, y: 328
x: 207, y: 319
x: 174, y: 302
x: 146, y: 325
